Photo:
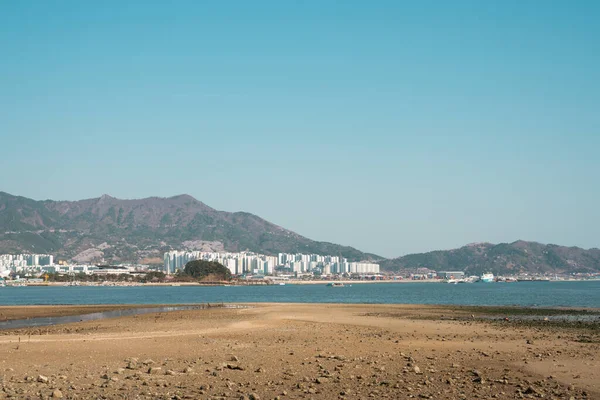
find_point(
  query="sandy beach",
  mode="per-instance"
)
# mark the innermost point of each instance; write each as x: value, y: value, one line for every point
x: 297, y: 351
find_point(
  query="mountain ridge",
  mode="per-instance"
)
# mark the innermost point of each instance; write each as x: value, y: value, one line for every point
x: 518, y: 257
x: 109, y: 229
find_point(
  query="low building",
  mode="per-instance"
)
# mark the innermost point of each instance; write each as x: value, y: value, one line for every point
x: 450, y: 274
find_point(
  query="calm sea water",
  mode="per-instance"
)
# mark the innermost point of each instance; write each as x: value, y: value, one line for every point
x: 535, y: 294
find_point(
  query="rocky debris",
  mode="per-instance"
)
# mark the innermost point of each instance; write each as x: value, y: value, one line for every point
x: 533, y: 390
x: 42, y: 379
x: 154, y: 370
x: 57, y: 394
x: 132, y: 363
x: 309, y: 366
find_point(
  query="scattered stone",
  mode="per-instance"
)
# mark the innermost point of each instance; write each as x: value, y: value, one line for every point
x: 253, y: 396
x: 154, y: 370
x: 170, y: 372
x: 417, y: 370
x: 234, y: 358
x: 57, y: 394
x: 42, y: 379
x: 532, y: 390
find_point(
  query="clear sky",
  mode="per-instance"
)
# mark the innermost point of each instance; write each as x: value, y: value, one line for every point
x: 391, y: 126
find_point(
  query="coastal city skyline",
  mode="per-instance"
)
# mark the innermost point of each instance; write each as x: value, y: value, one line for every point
x: 238, y: 263
x: 248, y: 262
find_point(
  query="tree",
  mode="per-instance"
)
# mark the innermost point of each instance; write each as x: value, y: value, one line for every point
x: 155, y: 276
x: 201, y: 269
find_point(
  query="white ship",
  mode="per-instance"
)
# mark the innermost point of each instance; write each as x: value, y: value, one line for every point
x: 487, y: 278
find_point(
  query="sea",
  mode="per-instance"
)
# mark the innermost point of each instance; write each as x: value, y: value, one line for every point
x: 526, y: 294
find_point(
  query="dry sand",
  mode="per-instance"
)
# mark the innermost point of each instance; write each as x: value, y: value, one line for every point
x: 293, y: 351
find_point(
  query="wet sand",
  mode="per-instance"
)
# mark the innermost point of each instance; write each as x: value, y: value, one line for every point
x: 299, y: 351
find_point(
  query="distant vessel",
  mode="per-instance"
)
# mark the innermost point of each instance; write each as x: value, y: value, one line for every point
x: 487, y: 278
x: 281, y: 283
x: 335, y: 284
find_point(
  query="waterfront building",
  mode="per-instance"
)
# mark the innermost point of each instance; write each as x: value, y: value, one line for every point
x: 253, y: 263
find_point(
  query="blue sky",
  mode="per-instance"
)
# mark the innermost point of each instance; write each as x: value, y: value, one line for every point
x: 391, y: 126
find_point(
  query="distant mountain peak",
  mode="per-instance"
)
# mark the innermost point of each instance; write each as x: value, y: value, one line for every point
x: 185, y: 198
x: 477, y: 244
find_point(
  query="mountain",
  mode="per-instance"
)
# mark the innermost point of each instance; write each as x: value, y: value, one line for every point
x: 502, y: 259
x: 113, y: 230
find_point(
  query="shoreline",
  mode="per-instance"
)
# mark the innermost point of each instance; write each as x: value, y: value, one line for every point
x: 276, y: 283
x: 242, y: 283
x: 300, y: 351
x: 13, y: 312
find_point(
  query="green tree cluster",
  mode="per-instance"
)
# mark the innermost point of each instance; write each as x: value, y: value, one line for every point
x: 200, y: 269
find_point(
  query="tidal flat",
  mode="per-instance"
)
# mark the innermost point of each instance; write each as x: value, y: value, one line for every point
x: 302, y: 351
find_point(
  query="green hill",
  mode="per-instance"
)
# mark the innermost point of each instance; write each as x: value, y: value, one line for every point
x: 504, y: 258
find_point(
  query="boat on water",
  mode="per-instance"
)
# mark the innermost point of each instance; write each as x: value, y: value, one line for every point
x: 281, y: 283
x: 487, y: 278
x: 16, y: 284
x: 335, y: 284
